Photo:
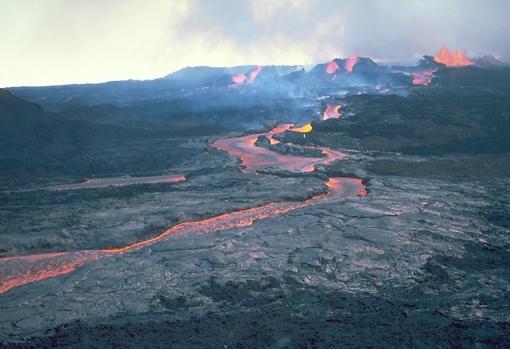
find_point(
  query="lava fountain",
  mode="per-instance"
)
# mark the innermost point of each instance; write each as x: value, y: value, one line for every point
x: 350, y: 63
x: 331, y: 67
x: 452, y: 58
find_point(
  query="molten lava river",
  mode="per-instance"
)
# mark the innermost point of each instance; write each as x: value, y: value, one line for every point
x: 21, y: 270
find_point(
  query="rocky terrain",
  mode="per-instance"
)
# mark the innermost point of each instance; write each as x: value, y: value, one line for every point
x: 421, y: 261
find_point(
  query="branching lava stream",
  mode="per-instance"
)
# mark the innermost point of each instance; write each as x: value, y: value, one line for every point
x: 21, y: 270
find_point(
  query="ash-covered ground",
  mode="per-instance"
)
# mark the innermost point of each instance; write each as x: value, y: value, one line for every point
x: 421, y: 261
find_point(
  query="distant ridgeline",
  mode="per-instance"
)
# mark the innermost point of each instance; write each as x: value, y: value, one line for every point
x: 352, y: 75
x: 445, y: 104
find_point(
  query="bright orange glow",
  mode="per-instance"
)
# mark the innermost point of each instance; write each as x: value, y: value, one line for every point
x: 22, y: 270
x: 453, y: 58
x: 350, y: 63
x: 238, y: 79
x: 423, y: 77
x: 332, y: 112
x: 255, y: 158
x: 346, y: 186
x: 18, y: 271
x: 303, y: 129
x: 174, y: 179
x: 116, y: 182
x: 252, y: 75
x: 331, y: 67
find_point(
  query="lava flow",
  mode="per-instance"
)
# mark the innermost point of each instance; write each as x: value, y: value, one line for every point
x: 332, y: 112
x: 22, y: 270
x: 331, y: 67
x: 423, y: 77
x: 350, y: 63
x: 453, y: 58
x: 252, y: 75
x: 118, y: 182
x: 303, y: 129
x: 255, y: 158
x: 240, y: 79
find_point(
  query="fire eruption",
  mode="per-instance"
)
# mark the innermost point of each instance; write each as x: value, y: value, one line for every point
x: 453, y: 58
x: 350, y: 63
x: 332, y: 67
x: 332, y: 112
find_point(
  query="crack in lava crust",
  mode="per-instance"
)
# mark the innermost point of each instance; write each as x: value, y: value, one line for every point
x: 21, y: 270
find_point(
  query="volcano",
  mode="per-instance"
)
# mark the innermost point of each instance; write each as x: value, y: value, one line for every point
x: 260, y: 206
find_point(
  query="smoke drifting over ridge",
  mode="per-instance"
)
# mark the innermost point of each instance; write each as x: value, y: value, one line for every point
x: 52, y: 42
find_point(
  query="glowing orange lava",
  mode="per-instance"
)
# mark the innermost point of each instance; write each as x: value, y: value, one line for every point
x: 336, y: 184
x: 252, y: 75
x: 94, y: 183
x: 255, y: 158
x: 238, y: 79
x: 423, y: 77
x: 350, y: 63
x: 18, y: 271
x: 331, y: 67
x: 174, y: 179
x: 303, y: 129
x: 22, y: 270
x: 332, y: 112
x: 452, y: 58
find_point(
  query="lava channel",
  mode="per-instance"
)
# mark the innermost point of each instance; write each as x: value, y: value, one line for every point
x: 255, y: 158
x: 22, y: 270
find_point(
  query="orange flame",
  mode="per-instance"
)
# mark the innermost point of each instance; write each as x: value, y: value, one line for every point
x: 423, y: 77
x: 331, y: 67
x: 303, y: 129
x: 350, y: 63
x: 453, y: 58
x: 332, y: 112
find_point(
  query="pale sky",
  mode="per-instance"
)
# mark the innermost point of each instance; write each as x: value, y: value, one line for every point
x: 47, y: 42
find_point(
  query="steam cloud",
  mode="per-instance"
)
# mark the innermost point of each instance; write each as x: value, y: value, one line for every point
x: 64, y: 41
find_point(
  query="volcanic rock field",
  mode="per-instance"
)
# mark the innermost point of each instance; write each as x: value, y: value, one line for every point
x: 285, y: 211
